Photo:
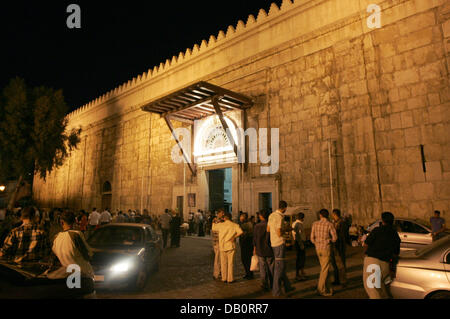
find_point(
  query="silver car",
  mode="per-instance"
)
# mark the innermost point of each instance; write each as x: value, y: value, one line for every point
x: 424, y: 273
x: 414, y: 233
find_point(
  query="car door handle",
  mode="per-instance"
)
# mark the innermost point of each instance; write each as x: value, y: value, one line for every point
x: 405, y: 236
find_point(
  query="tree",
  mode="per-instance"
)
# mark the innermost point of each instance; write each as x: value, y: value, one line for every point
x: 34, y: 138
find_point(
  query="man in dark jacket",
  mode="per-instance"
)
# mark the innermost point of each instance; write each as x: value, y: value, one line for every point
x: 262, y: 249
x: 383, y: 248
x: 246, y: 243
x: 175, y: 224
x: 338, y: 249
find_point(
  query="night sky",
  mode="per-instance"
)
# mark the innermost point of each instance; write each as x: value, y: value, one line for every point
x: 117, y: 40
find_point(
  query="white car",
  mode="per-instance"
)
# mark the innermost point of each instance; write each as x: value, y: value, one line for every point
x: 424, y: 273
x: 414, y: 233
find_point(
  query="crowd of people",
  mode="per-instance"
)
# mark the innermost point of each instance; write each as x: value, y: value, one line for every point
x: 57, y: 237
x: 264, y: 239
x: 29, y: 235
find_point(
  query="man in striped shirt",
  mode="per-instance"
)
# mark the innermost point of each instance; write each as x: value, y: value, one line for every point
x: 323, y: 234
x: 26, y: 243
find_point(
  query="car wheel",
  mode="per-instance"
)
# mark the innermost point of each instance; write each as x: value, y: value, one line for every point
x: 141, y: 279
x: 440, y: 295
x: 158, y: 263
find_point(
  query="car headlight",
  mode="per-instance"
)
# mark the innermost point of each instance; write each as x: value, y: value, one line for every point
x: 122, y: 266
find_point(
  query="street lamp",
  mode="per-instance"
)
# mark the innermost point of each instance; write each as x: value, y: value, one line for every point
x: 2, y: 188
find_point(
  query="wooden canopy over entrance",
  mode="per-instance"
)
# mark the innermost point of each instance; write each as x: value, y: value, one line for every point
x: 195, y: 102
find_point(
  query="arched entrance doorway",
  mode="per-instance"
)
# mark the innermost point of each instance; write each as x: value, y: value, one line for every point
x: 214, y: 153
x: 106, y: 196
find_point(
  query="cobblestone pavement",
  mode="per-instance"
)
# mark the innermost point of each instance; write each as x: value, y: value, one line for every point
x: 186, y: 273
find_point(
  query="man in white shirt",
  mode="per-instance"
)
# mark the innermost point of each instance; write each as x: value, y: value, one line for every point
x: 71, y: 248
x: 105, y: 217
x: 228, y: 232
x: 274, y: 227
x: 93, y: 220
x: 165, y: 225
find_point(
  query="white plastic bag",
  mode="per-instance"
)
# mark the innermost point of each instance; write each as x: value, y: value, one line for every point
x: 254, y: 266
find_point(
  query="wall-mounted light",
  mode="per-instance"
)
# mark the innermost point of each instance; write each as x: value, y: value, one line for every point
x: 2, y: 188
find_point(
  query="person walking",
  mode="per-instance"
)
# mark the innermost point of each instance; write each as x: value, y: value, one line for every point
x: 382, y: 251
x: 299, y: 240
x: 437, y: 225
x: 228, y: 232
x: 338, y: 249
x: 93, y: 220
x: 323, y: 234
x: 275, y: 228
x: 165, y: 225
x: 215, y: 239
x: 105, y: 217
x: 191, y: 223
x: 263, y: 249
x: 83, y: 221
x: 146, y: 219
x: 246, y: 244
x: 175, y: 224
x: 201, y: 225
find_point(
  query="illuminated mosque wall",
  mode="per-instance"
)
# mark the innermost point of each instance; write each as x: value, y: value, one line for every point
x: 359, y: 100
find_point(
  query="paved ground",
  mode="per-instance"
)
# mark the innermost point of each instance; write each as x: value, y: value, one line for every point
x: 186, y: 273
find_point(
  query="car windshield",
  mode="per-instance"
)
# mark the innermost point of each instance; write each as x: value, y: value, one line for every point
x: 116, y: 236
x: 437, y: 243
x: 422, y: 222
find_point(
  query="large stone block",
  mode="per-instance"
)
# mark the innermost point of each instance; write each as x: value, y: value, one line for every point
x: 434, y: 171
x: 446, y: 28
x: 416, y: 22
x: 434, y: 70
x: 412, y: 136
x: 406, y: 77
x: 396, y: 121
x: 422, y: 191
x: 443, y: 190
x: 407, y: 119
x: 415, y: 39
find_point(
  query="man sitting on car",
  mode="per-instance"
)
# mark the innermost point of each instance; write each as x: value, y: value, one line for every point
x: 27, y: 242
x: 71, y: 248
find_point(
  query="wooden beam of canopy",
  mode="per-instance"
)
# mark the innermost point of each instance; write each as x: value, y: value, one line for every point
x: 194, y: 100
x: 185, y: 155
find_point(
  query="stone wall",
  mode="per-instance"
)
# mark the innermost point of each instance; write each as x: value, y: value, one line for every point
x: 373, y: 96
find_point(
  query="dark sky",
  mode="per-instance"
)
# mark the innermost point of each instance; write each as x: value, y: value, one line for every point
x: 118, y: 40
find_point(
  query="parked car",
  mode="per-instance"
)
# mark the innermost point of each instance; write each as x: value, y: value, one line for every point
x: 28, y: 281
x: 125, y: 254
x: 424, y: 273
x: 414, y: 233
